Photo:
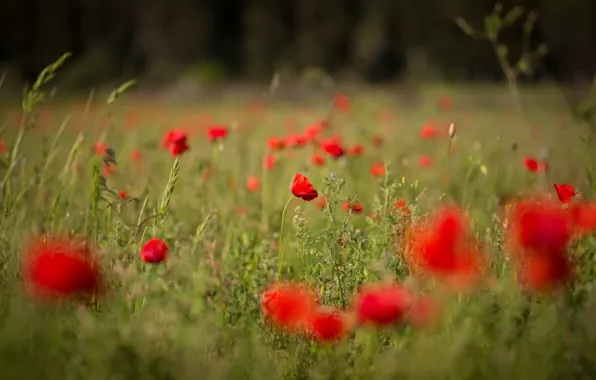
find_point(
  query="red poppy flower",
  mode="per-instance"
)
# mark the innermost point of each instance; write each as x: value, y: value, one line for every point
x: 565, y: 192
x: 382, y: 304
x: 583, y: 216
x: 317, y: 159
x: 101, y: 148
x: 288, y: 306
x: 275, y: 143
x: 533, y: 165
x: 332, y: 147
x: 425, y: 161
x: 302, y: 188
x: 122, y: 194
x: 544, y: 273
x: 429, y: 131
x: 322, y: 202
x: 253, y: 184
x: 296, y: 141
x: 341, y: 102
x: 135, y: 155
x: 57, y: 267
x: 327, y: 325
x: 356, y: 150
x: 378, y: 169
x: 443, y: 248
x: 312, y: 131
x: 377, y: 141
x: 217, y: 133
x: 270, y: 161
x: 2, y: 147
x: 355, y: 207
x: 175, y: 142
x: 154, y: 251
x: 402, y: 206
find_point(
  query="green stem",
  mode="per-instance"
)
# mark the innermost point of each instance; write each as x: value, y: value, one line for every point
x: 280, y: 252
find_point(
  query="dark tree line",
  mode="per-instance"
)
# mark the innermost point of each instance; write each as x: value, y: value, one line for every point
x: 374, y: 39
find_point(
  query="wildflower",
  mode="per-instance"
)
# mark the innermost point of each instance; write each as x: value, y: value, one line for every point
x: 377, y: 141
x: 175, y: 142
x: 270, y: 161
x: 327, y: 325
x: 302, y: 188
x: 322, y: 202
x: 275, y: 143
x: 154, y: 251
x: 443, y: 248
x: 356, y: 150
x: 332, y: 147
x: 288, y: 306
x: 425, y: 161
x: 565, y: 192
x: 382, y: 304
x: 216, y: 133
x: 296, y: 141
x: 317, y: 159
x: 538, y: 234
x: 377, y: 169
x: 108, y: 169
x: 355, y: 208
x: 533, y: 165
x: 341, y: 102
x: 429, y: 131
x: 402, y: 207
x: 253, y: 184
x: 122, y: 194
x: 135, y: 155
x: 101, y: 148
x: 60, y: 268
x: 2, y: 147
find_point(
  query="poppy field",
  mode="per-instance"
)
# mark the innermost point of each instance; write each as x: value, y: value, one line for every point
x: 351, y: 234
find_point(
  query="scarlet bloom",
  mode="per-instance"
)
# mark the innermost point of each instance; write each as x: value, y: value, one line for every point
x: 2, y: 147
x: 378, y: 169
x: 443, y: 248
x: 425, y: 161
x: 382, y: 304
x: 108, y: 170
x: 275, y: 143
x: 327, y: 325
x: 288, y: 306
x: 58, y: 267
x: 154, y: 251
x: 253, y: 184
x: 342, y: 102
x: 429, y: 131
x: 322, y: 202
x: 101, y: 148
x: 583, y: 216
x: 317, y: 159
x: 538, y: 235
x: 270, y: 161
x: 332, y: 147
x: 135, y: 155
x: 377, y: 141
x: 565, y: 192
x: 355, y: 207
x: 175, y: 142
x: 302, y: 188
x: 217, y: 133
x: 122, y: 194
x: 296, y: 141
x: 356, y: 150
x: 533, y: 165
x: 402, y: 206
x: 312, y: 131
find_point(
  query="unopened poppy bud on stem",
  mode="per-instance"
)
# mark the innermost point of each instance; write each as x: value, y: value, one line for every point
x: 452, y: 130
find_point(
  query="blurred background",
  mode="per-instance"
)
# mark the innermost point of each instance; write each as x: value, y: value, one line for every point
x: 376, y: 41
